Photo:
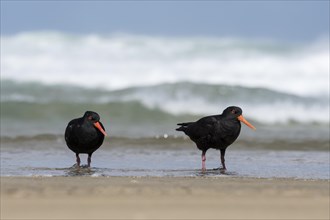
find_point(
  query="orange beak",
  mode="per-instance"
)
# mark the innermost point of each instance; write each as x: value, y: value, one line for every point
x: 98, y: 126
x: 242, y: 119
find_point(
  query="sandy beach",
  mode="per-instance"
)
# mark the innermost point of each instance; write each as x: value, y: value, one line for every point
x: 163, y: 198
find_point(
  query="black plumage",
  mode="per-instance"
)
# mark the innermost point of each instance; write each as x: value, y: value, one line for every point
x: 216, y: 131
x: 85, y: 135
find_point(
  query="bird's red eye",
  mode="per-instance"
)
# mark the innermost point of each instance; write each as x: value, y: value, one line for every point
x: 233, y: 111
x: 90, y: 117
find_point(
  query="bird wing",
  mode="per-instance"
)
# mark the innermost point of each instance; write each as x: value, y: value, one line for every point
x: 69, y: 135
x: 203, y: 128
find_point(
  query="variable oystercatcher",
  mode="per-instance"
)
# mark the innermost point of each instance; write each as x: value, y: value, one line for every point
x: 216, y: 131
x: 85, y: 135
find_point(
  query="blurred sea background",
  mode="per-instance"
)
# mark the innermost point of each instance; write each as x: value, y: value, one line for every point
x: 143, y: 84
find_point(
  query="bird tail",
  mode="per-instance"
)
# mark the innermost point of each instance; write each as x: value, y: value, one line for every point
x: 183, y: 125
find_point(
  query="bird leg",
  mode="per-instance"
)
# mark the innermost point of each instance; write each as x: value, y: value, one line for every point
x: 222, y: 157
x: 89, y: 160
x: 203, y: 161
x: 78, y: 160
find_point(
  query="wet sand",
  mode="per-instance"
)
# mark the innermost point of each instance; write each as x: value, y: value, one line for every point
x: 163, y: 198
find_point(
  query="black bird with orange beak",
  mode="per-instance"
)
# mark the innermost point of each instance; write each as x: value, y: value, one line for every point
x: 216, y: 131
x: 85, y: 135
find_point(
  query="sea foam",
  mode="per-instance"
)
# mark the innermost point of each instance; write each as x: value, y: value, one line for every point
x: 120, y: 61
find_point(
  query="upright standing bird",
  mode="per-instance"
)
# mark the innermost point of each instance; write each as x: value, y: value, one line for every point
x: 216, y: 131
x: 85, y: 135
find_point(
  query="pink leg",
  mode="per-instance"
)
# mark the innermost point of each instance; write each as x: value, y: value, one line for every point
x: 89, y: 160
x: 223, y: 160
x: 78, y: 160
x: 203, y: 161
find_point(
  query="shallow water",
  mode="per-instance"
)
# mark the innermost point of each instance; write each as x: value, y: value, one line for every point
x: 149, y: 160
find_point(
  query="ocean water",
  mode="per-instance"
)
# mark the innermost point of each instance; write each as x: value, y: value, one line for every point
x: 143, y: 85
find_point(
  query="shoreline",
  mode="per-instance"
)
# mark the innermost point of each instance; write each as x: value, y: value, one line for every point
x: 163, y: 198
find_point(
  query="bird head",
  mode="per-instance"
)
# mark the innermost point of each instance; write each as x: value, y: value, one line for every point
x: 236, y: 112
x: 94, y: 118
